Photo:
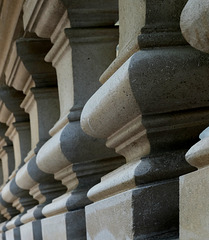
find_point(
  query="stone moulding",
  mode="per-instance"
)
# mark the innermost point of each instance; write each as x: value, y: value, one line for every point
x: 39, y: 13
x: 146, y: 91
x: 9, y: 23
x: 105, y: 106
x: 92, y: 13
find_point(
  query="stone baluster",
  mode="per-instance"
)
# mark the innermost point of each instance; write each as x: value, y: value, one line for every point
x: 149, y: 112
x: 8, y: 159
x: 41, y: 101
x: 19, y: 133
x: 76, y: 83
x: 35, y: 106
x: 6, y: 154
x: 19, y: 129
x: 32, y: 53
x: 88, y: 46
x: 42, y: 104
x: 85, y: 159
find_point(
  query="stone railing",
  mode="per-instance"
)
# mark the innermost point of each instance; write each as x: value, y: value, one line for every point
x: 53, y: 62
x: 92, y: 145
x: 149, y: 112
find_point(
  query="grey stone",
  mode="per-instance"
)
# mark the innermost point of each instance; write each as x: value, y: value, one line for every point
x: 93, y: 13
x: 32, y: 52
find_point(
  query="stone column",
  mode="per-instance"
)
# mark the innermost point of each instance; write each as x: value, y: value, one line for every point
x: 150, y: 113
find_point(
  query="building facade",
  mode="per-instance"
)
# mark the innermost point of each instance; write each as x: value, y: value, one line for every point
x: 100, y: 101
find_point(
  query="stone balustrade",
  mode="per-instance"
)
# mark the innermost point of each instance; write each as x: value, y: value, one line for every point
x: 98, y: 107
x: 149, y: 112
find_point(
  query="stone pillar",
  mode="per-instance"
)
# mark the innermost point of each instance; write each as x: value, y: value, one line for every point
x: 149, y: 112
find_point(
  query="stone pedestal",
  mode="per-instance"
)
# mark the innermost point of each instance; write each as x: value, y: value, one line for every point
x: 10, y: 234
x: 147, y: 212
x: 65, y: 226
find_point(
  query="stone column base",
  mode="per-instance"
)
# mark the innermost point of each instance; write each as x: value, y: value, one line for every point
x: 31, y: 231
x: 12, y: 234
x: 66, y: 226
x: 147, y: 212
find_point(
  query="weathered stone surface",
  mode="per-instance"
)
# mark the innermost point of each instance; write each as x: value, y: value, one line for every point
x: 148, y: 212
x: 66, y: 226
x: 12, y: 99
x: 10, y: 27
x: 182, y: 71
x: 32, y: 52
x: 194, y: 209
x: 198, y: 154
x: 164, y: 119
x: 26, y: 231
x: 93, y: 13
x: 10, y: 234
x: 195, y: 25
x: 44, y: 21
x: 151, y: 110
x: 162, y: 24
